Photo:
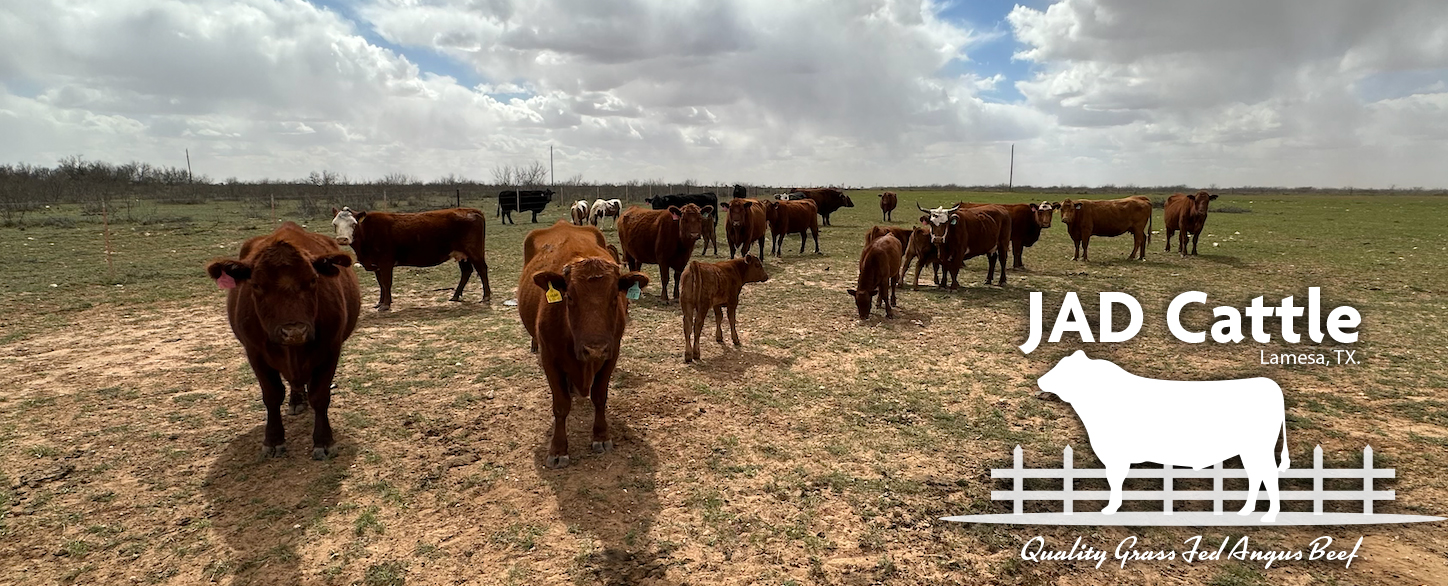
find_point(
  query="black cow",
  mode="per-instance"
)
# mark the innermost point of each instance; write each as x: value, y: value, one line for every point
x: 523, y: 201
x: 740, y: 191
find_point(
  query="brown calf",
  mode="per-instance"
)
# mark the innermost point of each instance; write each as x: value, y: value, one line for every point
x: 745, y: 224
x: 1027, y: 221
x: 715, y: 286
x: 1111, y: 217
x: 572, y: 300
x: 663, y: 237
x: 790, y: 217
x: 1187, y: 213
x: 888, y: 201
x: 879, y: 275
x: 901, y: 234
x: 385, y: 240
x: 922, y: 249
x: 292, y: 301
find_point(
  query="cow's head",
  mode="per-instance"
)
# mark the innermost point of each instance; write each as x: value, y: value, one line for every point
x: 1069, y: 210
x: 739, y: 210
x: 919, y: 242
x: 848, y: 203
x: 1043, y: 212
x: 593, y: 291
x: 1078, y: 377
x: 1200, y: 201
x: 862, y: 301
x: 281, y: 283
x: 938, y: 221
x: 344, y: 222
x: 754, y: 270
x: 690, y: 220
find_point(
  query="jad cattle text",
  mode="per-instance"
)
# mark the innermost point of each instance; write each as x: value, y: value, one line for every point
x: 1340, y: 324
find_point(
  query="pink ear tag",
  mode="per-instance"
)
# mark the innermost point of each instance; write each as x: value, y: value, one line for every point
x: 676, y: 216
x: 225, y: 282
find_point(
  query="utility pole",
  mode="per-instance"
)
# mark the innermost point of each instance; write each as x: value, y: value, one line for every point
x: 551, y: 180
x: 189, y: 188
x: 1011, y: 182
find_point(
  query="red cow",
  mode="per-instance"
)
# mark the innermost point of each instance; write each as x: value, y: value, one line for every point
x: 827, y: 199
x: 963, y: 234
x: 715, y: 286
x: 888, y: 201
x: 292, y: 301
x: 1111, y: 217
x: 573, y: 300
x: 791, y: 217
x: 384, y: 240
x: 1187, y: 213
x: 879, y: 275
x: 745, y: 224
x: 662, y: 237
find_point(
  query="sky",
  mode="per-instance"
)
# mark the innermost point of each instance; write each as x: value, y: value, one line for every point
x: 1326, y: 93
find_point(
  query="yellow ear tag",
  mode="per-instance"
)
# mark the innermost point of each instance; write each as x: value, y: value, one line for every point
x: 553, y: 295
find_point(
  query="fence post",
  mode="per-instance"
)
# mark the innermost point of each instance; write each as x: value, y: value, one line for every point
x: 1020, y: 482
x: 1068, y: 481
x: 1166, y: 503
x: 1317, y: 480
x: 1368, y: 480
x: 1217, y: 489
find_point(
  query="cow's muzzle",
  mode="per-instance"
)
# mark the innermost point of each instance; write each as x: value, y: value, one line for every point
x: 294, y: 334
x: 343, y: 240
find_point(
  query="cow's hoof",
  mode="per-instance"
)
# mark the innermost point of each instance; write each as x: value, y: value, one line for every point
x: 384, y: 308
x: 273, y: 451
x: 1245, y: 512
x: 556, y: 462
x: 1109, y: 511
x: 601, y: 447
x: 320, y: 453
x: 298, y: 408
x: 688, y: 358
x: 456, y: 299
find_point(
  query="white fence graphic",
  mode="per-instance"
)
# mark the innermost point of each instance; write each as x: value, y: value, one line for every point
x: 1169, y: 496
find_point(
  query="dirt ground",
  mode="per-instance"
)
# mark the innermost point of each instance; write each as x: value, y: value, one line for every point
x: 823, y: 451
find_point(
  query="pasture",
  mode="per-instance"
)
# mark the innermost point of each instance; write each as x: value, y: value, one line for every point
x: 821, y: 452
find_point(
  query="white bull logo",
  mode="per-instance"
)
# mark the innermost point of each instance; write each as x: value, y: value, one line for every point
x: 1130, y: 419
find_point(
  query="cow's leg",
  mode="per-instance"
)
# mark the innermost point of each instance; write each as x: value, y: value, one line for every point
x: 482, y: 267
x: 319, y: 394
x: 1194, y: 241
x: 298, y: 399
x: 1077, y: 255
x: 678, y: 278
x: 1141, y: 245
x: 803, y: 237
x: 1254, y: 481
x: 1115, y: 477
x: 816, y: 234
x: 1085, y: 248
x: 734, y: 322
x: 701, y: 313
x: 761, y: 248
x: 719, y: 324
x: 1017, y: 248
x: 688, y: 311
x: 599, y: 393
x: 1169, y: 233
x: 272, y: 393
x: 384, y: 282
x: 1261, y: 469
x: 562, y: 404
x: 465, y: 270
x: 990, y: 262
x: 535, y: 216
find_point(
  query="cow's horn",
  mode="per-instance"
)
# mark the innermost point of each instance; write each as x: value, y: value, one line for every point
x: 917, y: 206
x: 957, y: 206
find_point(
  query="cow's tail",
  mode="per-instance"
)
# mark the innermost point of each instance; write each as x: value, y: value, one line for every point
x: 1283, y: 466
x: 500, y: 207
x: 1151, y: 217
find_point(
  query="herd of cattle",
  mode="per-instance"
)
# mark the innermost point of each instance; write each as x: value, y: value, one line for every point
x: 293, y: 298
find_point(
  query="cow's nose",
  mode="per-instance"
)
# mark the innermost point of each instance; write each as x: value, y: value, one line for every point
x: 293, y: 334
x: 343, y: 240
x: 595, y: 353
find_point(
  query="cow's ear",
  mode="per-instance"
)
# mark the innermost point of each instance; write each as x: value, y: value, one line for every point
x: 851, y: 292
x: 329, y: 265
x: 708, y: 210
x: 1212, y: 197
x: 227, y: 273
x: 674, y: 211
x: 1035, y: 207
x: 358, y: 215
x: 1055, y: 204
x: 335, y: 211
x: 545, y: 278
x: 1192, y: 197
x: 628, y: 280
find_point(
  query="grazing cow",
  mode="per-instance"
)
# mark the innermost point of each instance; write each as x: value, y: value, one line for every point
x: 578, y: 214
x: 790, y: 217
x: 707, y: 202
x: 662, y: 237
x: 922, y: 250
x: 1111, y: 217
x: 523, y: 200
x: 715, y: 286
x: 604, y: 208
x: 962, y: 234
x: 888, y: 201
x: 1027, y: 221
x: 1131, y: 419
x: 292, y: 301
x: 879, y: 275
x: 901, y: 234
x: 384, y: 240
x: 573, y: 301
x: 1187, y: 213
x: 744, y: 224
x: 740, y: 191
x: 827, y: 199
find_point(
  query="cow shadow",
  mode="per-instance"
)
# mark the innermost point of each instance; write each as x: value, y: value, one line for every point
x: 443, y: 310
x: 257, y: 503
x: 726, y: 363
x: 611, y: 496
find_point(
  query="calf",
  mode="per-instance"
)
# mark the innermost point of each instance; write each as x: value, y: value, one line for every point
x: 1111, y: 217
x: 1027, y: 221
x: 523, y: 200
x: 605, y: 208
x: 573, y: 301
x: 879, y: 275
x: 385, y: 240
x: 1187, y: 213
x: 888, y: 201
x: 578, y: 213
x: 901, y: 234
x: 292, y: 300
x: 1132, y: 419
x: 662, y: 237
x: 745, y: 224
x: 791, y: 217
x: 715, y: 286
x: 920, y: 249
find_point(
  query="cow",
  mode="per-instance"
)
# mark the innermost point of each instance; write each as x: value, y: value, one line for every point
x: 662, y: 237
x: 744, y: 224
x: 1110, y: 217
x: 921, y: 250
x: 791, y: 196
x: 962, y: 234
x: 573, y: 301
x: 888, y: 201
x: 901, y: 234
x: 827, y: 199
x: 1187, y: 213
x: 604, y: 208
x: 384, y: 240
x: 523, y: 200
x: 292, y: 300
x: 1131, y: 419
x: 740, y: 191
x: 790, y: 217
x: 1027, y: 221
x: 879, y: 275
x: 578, y: 212
x: 705, y: 201
x: 715, y: 286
